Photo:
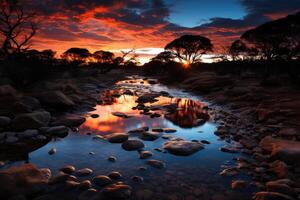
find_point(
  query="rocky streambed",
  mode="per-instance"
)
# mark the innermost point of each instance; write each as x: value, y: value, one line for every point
x: 142, y: 140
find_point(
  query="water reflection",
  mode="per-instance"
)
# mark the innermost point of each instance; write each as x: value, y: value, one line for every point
x: 182, y: 112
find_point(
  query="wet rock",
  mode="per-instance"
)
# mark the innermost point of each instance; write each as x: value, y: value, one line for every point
x: 88, y: 194
x: 147, y: 98
x: 112, y: 159
x: 182, y: 147
x: 149, y: 136
x: 68, y: 169
x: 70, y: 120
x: 155, y: 115
x: 132, y: 145
x: 60, y: 131
x: 33, y: 120
x: 115, y: 175
x: 117, y: 191
x: 55, y: 99
x: 156, y: 164
x: 205, y: 142
x: 29, y: 133
x: 229, y: 149
x: 238, y: 184
x: 52, y: 151
x: 272, y: 196
x: 98, y: 137
x: 137, y: 179
x: 160, y: 130
x: 62, y: 178
x: 139, y: 130
x: 94, y: 115
x: 4, y: 121
x: 169, y: 130
x: 70, y: 185
x: 84, y: 172
x: 102, y: 180
x: 279, y: 168
x: 23, y: 180
x: 166, y: 136
x: 120, y: 114
x: 145, y: 154
x: 284, y: 150
x: 117, y: 137
x: 229, y: 172
x: 11, y: 140
x: 281, y: 188
x: 85, y: 185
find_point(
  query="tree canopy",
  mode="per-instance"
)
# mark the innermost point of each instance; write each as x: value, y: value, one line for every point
x: 76, y: 54
x: 279, y: 39
x: 189, y: 48
x: 103, y: 56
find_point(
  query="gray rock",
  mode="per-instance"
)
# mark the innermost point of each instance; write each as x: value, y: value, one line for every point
x: 4, y: 121
x: 33, y: 120
x: 132, y: 145
x: 102, y: 180
x: 149, y: 136
x: 70, y: 120
x: 117, y: 137
x: 56, y: 99
x: 60, y: 131
x: 11, y: 140
x: 182, y: 147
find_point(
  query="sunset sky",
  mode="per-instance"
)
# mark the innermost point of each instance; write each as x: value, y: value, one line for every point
x: 147, y: 25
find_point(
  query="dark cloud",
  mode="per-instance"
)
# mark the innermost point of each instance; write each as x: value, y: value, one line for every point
x: 262, y: 7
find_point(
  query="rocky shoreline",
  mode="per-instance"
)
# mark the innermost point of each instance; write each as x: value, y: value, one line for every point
x: 261, y: 119
x: 268, y: 145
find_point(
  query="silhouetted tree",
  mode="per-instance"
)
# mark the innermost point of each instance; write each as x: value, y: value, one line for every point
x: 77, y: 55
x: 238, y: 50
x: 189, y: 48
x: 16, y: 27
x: 274, y: 40
x: 164, y: 57
x: 104, y: 57
x: 130, y: 58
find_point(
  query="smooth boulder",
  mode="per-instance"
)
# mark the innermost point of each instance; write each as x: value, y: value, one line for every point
x: 132, y: 145
x: 33, y: 120
x: 182, y: 147
x: 26, y: 179
x: 117, y: 137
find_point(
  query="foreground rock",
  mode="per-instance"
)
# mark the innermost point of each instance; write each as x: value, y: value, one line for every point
x: 102, y: 180
x: 149, y: 136
x: 182, y: 147
x: 70, y: 120
x: 284, y: 150
x: 33, y: 120
x: 156, y: 164
x: 272, y: 196
x: 132, y: 145
x: 117, y: 137
x: 4, y: 121
x: 117, y: 191
x: 55, y: 99
x: 24, y: 180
